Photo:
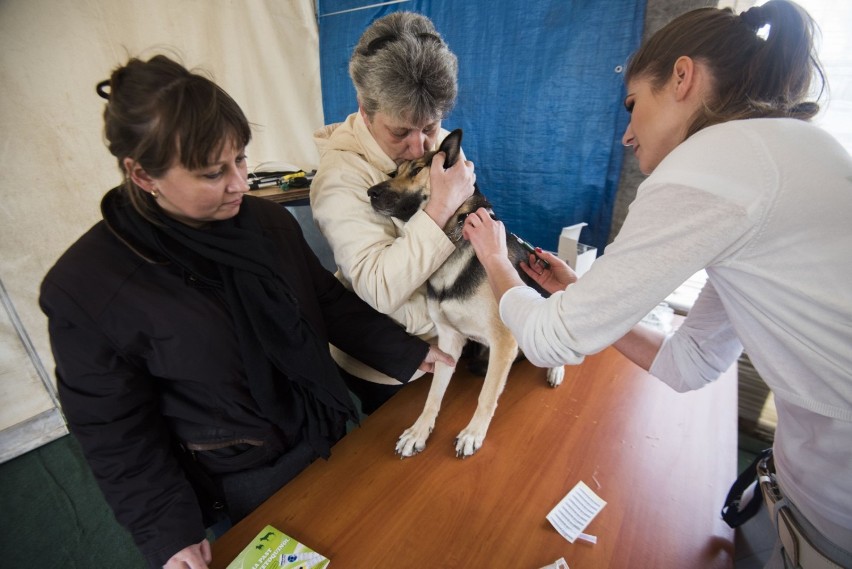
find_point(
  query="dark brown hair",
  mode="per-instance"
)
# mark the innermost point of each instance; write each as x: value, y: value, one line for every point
x: 160, y: 114
x: 751, y: 76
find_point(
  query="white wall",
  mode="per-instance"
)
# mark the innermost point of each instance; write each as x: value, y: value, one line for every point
x: 54, y: 167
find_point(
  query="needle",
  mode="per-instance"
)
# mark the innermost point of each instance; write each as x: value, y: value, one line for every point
x: 530, y: 249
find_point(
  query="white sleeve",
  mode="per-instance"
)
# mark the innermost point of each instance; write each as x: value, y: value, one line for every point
x: 702, y: 348
x: 672, y: 231
x: 536, y: 325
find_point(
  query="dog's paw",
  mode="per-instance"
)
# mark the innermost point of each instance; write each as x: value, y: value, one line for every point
x: 469, y: 441
x: 413, y: 440
x: 555, y: 376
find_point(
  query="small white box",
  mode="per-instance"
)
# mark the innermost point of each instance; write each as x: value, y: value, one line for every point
x: 579, y: 256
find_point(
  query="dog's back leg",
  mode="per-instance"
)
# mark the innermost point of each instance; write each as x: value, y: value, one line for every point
x: 503, y: 351
x: 413, y: 440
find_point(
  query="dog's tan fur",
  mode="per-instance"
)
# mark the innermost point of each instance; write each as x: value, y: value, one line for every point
x: 460, y: 303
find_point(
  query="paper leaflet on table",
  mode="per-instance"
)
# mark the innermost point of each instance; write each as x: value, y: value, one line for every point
x: 558, y: 564
x: 575, y: 511
x: 272, y: 549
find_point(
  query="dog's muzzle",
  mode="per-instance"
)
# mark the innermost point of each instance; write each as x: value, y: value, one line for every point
x: 388, y: 202
x: 382, y: 199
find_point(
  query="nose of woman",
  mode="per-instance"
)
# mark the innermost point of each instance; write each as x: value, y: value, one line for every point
x: 238, y: 181
x: 416, y: 145
x: 627, y: 137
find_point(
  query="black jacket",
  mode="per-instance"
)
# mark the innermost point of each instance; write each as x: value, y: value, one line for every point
x: 147, y: 358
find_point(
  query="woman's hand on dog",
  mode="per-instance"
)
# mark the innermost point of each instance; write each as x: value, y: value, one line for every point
x: 448, y: 188
x: 552, y: 279
x: 488, y: 238
x: 433, y: 356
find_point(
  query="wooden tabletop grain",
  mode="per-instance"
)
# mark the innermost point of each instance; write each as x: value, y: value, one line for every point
x: 662, y: 461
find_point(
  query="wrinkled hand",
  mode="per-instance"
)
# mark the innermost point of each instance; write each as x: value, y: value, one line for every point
x: 195, y: 556
x: 553, y: 279
x: 486, y: 235
x: 435, y: 355
x: 449, y: 188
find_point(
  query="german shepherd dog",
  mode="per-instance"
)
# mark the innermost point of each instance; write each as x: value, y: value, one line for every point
x: 460, y: 302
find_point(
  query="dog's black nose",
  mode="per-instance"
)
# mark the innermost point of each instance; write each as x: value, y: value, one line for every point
x: 373, y: 192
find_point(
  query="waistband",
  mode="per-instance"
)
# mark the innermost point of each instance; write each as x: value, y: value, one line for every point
x: 222, y: 444
x: 802, y: 544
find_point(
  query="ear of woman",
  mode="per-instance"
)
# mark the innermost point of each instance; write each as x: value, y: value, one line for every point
x: 684, y: 78
x: 138, y: 175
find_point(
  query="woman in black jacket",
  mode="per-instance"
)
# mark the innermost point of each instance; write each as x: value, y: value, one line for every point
x: 191, y: 325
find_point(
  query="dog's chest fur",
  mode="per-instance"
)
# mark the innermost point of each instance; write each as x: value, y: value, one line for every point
x: 459, y: 277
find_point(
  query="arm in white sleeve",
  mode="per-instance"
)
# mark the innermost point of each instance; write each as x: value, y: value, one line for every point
x: 702, y: 348
x: 670, y: 233
x: 536, y: 325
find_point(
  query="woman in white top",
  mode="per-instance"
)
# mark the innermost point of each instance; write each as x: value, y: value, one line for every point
x: 743, y: 186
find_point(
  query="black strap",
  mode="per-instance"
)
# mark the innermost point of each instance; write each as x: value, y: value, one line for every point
x: 732, y: 513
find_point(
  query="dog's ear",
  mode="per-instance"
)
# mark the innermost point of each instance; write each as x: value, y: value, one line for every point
x: 451, y: 146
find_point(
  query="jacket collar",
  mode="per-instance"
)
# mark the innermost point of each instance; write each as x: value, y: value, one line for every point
x: 114, y: 199
x: 352, y: 135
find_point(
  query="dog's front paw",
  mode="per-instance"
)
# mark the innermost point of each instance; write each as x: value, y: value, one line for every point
x: 469, y: 441
x: 555, y: 376
x: 413, y: 440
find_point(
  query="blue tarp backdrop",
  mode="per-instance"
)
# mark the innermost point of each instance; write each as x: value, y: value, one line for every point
x: 540, y: 99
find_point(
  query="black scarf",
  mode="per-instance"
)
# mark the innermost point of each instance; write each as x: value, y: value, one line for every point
x: 235, y: 257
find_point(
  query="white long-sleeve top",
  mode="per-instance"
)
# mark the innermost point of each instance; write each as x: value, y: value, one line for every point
x: 765, y: 205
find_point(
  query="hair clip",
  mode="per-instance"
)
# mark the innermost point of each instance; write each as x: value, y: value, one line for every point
x: 100, y: 89
x: 753, y: 18
x: 381, y: 41
x: 378, y: 44
x: 427, y: 36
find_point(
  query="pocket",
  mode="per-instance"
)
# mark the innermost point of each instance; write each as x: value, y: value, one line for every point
x: 234, y: 458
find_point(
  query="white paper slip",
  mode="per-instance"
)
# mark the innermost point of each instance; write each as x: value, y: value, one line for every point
x: 576, y: 510
x: 558, y: 564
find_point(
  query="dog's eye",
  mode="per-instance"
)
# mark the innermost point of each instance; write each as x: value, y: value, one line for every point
x: 415, y: 171
x: 393, y: 174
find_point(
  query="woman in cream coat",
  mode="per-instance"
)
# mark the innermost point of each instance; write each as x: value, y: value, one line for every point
x: 405, y: 79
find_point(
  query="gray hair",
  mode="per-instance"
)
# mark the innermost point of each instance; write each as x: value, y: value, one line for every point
x: 402, y: 67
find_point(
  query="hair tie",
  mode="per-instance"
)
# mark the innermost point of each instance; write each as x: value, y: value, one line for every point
x: 100, y: 89
x: 426, y: 36
x: 377, y: 44
x: 753, y: 18
x: 380, y: 42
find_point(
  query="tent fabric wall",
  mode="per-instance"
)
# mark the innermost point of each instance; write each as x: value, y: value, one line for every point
x: 540, y: 99
x: 54, y: 162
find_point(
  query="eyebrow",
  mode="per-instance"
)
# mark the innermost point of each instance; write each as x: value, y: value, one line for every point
x: 407, y: 128
x: 239, y: 151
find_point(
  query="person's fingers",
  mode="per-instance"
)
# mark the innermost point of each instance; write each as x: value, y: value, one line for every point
x: 445, y: 358
x: 438, y: 161
x: 546, y: 255
x: 206, y: 551
x: 529, y: 271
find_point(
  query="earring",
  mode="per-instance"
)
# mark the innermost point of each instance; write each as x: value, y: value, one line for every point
x: 154, y: 193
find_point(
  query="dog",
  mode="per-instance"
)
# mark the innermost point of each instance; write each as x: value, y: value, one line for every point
x: 459, y: 299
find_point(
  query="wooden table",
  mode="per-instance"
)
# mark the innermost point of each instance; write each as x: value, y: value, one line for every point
x: 278, y: 195
x: 663, y: 461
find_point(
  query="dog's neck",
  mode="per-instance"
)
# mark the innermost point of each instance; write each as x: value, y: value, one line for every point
x: 453, y: 228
